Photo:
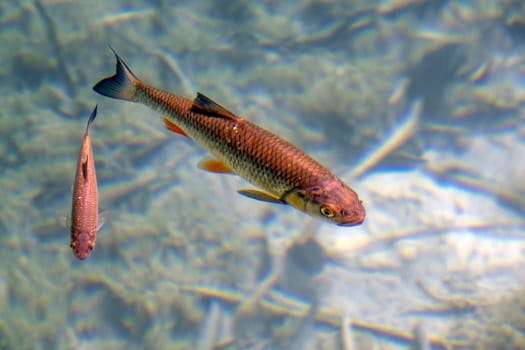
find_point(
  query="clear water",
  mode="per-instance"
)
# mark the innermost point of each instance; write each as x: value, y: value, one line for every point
x: 418, y: 105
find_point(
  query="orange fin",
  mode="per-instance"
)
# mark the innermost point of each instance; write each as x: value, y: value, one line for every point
x: 261, y: 195
x: 206, y: 105
x: 215, y: 166
x: 172, y: 127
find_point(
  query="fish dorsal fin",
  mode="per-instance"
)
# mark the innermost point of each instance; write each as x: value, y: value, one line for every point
x: 85, y: 168
x: 206, y: 105
x: 260, y: 195
x: 215, y: 166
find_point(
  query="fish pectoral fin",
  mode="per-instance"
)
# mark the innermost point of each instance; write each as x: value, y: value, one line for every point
x: 63, y: 221
x: 260, y: 195
x: 215, y: 166
x: 102, y: 218
x: 172, y: 127
x: 206, y: 105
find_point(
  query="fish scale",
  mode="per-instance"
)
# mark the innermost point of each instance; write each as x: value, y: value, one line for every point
x: 254, y: 153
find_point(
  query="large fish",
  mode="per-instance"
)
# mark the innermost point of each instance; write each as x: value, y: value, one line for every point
x: 84, y: 213
x: 281, y: 171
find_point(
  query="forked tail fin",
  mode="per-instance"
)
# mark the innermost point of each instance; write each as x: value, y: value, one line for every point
x: 91, y: 118
x: 120, y: 86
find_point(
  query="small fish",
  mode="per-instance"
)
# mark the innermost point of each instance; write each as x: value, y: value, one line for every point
x: 85, y: 220
x: 282, y: 172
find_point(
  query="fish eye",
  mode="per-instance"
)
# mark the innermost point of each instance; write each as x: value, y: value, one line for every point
x: 91, y: 246
x: 72, y: 245
x: 326, y: 211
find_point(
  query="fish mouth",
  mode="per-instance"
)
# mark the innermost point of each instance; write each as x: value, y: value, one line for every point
x: 351, y: 223
x: 354, y: 221
x: 82, y: 256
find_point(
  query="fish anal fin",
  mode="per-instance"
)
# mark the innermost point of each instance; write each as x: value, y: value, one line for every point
x: 260, y: 195
x: 206, y: 105
x: 173, y: 127
x: 215, y: 166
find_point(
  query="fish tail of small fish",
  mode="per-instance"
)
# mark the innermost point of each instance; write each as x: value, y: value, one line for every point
x: 91, y: 118
x: 122, y: 85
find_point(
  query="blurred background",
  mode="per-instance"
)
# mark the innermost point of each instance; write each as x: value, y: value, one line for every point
x: 417, y: 104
